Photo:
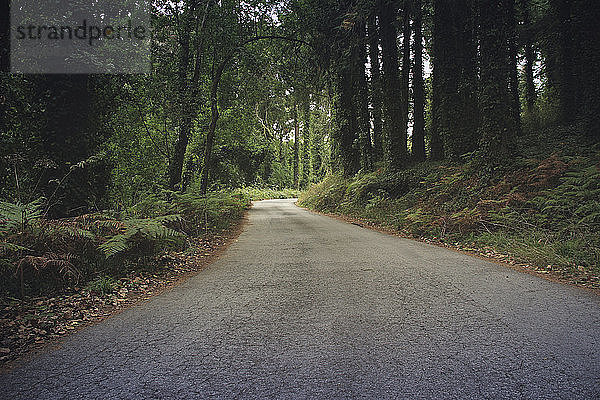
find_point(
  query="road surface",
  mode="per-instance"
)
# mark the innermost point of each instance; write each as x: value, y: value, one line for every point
x: 305, y: 306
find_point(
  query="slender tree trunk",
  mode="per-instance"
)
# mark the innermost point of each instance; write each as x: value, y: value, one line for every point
x: 418, y: 136
x: 497, y: 119
x: 530, y: 95
x: 306, y: 139
x: 185, y: 117
x: 514, y: 74
x: 375, y: 89
x: 436, y: 151
x: 280, y: 148
x: 5, y: 37
x: 296, y: 148
x: 176, y: 164
x: 395, y: 134
x: 567, y: 85
x: 361, y: 95
x: 210, y: 138
x: 405, y: 68
x: 331, y: 129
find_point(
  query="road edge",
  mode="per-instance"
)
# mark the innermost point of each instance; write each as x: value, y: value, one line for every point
x: 514, y: 265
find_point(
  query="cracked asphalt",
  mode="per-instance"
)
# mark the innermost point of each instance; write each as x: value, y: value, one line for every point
x: 305, y: 306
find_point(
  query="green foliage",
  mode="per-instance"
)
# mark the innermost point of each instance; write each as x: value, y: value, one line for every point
x: 148, y: 231
x: 39, y: 255
x: 544, y: 211
x: 17, y: 217
x: 576, y: 199
x: 101, y: 285
x: 326, y: 195
x: 209, y: 214
x: 144, y: 141
x: 256, y: 194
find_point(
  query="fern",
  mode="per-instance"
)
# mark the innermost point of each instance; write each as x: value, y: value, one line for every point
x: 58, y: 263
x: 17, y: 217
x: 12, y: 247
x: 66, y: 230
x: 137, y: 230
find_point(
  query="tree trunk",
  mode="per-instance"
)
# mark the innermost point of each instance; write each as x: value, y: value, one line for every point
x: 345, y: 133
x: 176, y: 164
x: 405, y: 68
x: 436, y: 151
x: 395, y: 135
x: 455, y: 77
x: 296, y: 148
x: 530, y: 95
x: 361, y: 95
x: 5, y: 36
x: 514, y: 75
x: 567, y: 85
x: 375, y: 89
x: 306, y: 140
x: 497, y: 119
x: 185, y: 123
x: 210, y: 138
x: 587, y: 16
x: 418, y: 136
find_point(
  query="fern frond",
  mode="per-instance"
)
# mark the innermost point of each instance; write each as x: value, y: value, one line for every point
x: 61, y: 263
x: 16, y: 217
x: 136, y: 230
x: 11, y: 247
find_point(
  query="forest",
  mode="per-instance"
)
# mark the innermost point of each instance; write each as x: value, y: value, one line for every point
x: 469, y: 123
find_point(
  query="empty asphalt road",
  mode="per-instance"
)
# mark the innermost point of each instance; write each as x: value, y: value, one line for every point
x: 305, y: 306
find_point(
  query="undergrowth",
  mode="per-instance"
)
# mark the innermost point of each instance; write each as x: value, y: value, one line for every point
x: 39, y: 255
x: 256, y: 194
x: 544, y: 210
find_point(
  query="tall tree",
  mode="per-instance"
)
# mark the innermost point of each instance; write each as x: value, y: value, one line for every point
x: 570, y: 43
x: 345, y: 132
x: 405, y: 76
x: 588, y: 12
x: 498, y: 124
x: 418, y: 136
x: 395, y: 134
x: 375, y: 88
x: 361, y: 93
x: 345, y: 135
x: 189, y: 19
x: 513, y: 81
x: 527, y: 41
x: 296, y: 147
x: 306, y: 144
x: 455, y: 76
x: 565, y: 60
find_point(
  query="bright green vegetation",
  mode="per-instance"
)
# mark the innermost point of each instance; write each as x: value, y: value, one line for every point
x: 101, y: 285
x: 545, y: 210
x: 265, y: 194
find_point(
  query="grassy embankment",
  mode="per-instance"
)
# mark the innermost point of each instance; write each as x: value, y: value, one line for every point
x: 542, y: 211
